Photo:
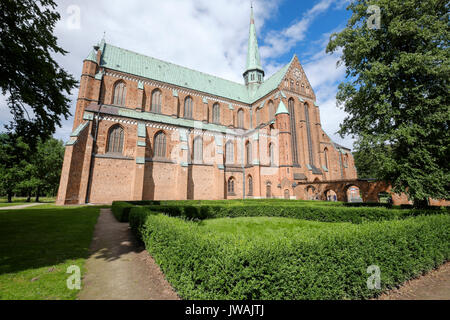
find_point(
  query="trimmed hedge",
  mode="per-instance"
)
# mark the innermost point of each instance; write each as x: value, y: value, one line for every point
x: 331, y: 264
x: 317, y: 213
x: 121, y: 210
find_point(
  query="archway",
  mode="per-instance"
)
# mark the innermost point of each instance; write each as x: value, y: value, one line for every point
x: 310, y: 193
x: 330, y: 195
x: 287, y: 194
x: 353, y: 194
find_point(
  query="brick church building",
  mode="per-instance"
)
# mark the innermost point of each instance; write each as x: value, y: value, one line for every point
x: 147, y: 129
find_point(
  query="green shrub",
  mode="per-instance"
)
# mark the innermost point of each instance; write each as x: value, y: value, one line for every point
x: 324, y: 263
x: 121, y: 210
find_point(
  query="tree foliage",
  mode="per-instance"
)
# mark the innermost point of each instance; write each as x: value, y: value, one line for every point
x: 34, y: 84
x: 397, y: 92
x: 28, y: 171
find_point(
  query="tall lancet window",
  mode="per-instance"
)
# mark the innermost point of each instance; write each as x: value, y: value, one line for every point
x: 216, y: 113
x: 156, y: 101
x: 229, y: 152
x: 308, y: 134
x: 271, y: 110
x: 160, y: 145
x: 120, y: 92
x: 188, y: 106
x: 325, y: 154
x: 293, y: 132
x: 115, y: 139
x: 240, y: 119
x: 248, y: 151
x: 198, y: 150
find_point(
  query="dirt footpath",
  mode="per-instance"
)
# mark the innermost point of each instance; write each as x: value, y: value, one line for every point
x: 435, y: 285
x: 119, y: 268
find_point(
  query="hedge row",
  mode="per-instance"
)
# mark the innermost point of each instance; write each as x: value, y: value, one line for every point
x: 317, y: 213
x: 121, y: 210
x: 330, y: 265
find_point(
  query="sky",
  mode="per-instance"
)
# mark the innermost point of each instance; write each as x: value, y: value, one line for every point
x: 209, y: 36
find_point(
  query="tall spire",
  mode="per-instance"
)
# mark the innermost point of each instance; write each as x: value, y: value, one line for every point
x: 253, y: 57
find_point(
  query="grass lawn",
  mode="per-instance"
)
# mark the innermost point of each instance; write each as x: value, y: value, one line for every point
x: 38, y: 245
x: 17, y: 201
x: 268, y: 227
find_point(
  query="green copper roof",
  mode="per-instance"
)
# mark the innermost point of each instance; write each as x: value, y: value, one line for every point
x: 92, y: 56
x: 130, y: 62
x: 253, y: 58
x: 126, y: 61
x: 281, y: 108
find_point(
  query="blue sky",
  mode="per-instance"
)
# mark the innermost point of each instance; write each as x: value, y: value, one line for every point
x: 209, y: 36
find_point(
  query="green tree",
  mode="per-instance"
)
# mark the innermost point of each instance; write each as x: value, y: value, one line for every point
x: 13, y: 154
x: 34, y: 84
x: 397, y: 92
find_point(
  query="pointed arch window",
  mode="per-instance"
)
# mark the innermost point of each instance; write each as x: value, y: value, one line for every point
x: 271, y: 110
x: 188, y: 107
x: 293, y: 131
x: 156, y: 101
x: 308, y: 134
x: 248, y: 151
x: 258, y: 117
x: 250, y: 186
x: 115, y: 139
x: 120, y: 92
x: 229, y: 152
x: 160, y: 145
x: 325, y: 154
x: 216, y: 113
x: 240, y: 118
x: 268, y: 190
x: 271, y: 155
x: 198, y: 150
x: 230, y: 185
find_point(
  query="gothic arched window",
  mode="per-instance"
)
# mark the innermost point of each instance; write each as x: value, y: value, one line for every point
x: 271, y: 110
x: 293, y: 132
x: 230, y: 185
x: 156, y: 101
x: 115, y: 139
x: 198, y: 149
x: 240, y: 116
x: 229, y: 152
x: 120, y: 92
x: 216, y: 113
x: 325, y: 153
x: 250, y: 185
x: 188, y: 106
x: 248, y: 151
x: 271, y: 155
x: 160, y: 145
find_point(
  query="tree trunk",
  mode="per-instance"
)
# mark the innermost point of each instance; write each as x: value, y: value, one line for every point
x: 28, y: 196
x: 9, y: 197
x: 37, y: 195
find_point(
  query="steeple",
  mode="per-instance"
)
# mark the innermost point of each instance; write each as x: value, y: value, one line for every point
x: 254, y: 73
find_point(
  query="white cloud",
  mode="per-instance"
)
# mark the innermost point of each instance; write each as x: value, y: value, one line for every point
x: 280, y: 42
x: 209, y: 36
